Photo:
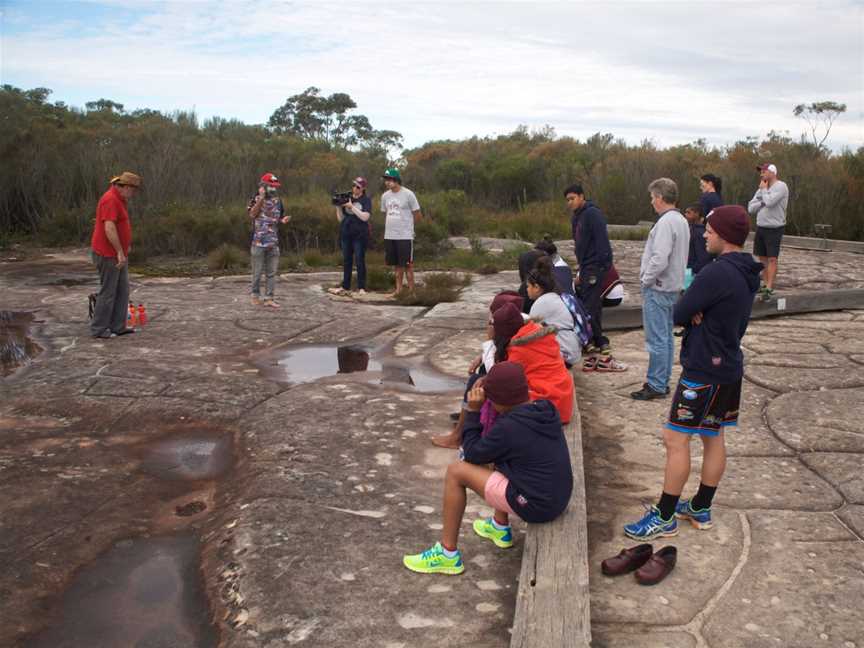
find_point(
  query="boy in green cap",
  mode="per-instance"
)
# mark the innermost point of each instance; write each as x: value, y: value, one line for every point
x: 402, y: 211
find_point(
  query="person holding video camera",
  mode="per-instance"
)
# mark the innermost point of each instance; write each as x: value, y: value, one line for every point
x: 266, y: 211
x: 353, y: 211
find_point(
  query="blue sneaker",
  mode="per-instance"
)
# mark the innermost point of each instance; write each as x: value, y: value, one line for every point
x: 700, y: 519
x: 652, y: 526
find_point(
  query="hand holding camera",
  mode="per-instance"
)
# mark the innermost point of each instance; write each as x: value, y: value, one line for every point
x: 341, y: 199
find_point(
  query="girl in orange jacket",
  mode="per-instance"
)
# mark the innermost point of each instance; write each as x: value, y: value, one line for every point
x: 536, y: 349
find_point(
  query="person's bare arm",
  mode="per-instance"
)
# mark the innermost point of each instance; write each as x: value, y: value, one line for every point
x: 418, y: 215
x: 255, y: 209
x: 114, y: 240
x: 359, y: 213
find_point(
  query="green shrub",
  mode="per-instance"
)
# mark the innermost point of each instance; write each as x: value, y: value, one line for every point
x: 227, y: 257
x: 315, y: 258
x: 68, y: 227
x: 430, y: 240
x: 437, y: 288
x: 621, y: 234
x: 380, y: 279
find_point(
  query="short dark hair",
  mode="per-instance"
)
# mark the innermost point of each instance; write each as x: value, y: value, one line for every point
x: 546, y: 246
x: 575, y: 189
x: 713, y: 179
x: 696, y: 208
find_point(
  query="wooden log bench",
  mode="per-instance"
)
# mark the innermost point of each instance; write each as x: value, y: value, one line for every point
x: 552, y: 603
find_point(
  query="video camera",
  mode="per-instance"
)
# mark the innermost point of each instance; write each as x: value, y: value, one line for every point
x: 340, y: 199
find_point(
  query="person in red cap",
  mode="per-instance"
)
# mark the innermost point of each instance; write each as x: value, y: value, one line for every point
x: 478, y: 368
x: 769, y: 206
x: 353, y: 219
x: 715, y: 311
x: 532, y: 476
x: 110, y: 245
x: 266, y: 211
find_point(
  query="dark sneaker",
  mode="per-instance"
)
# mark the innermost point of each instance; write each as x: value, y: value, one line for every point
x: 648, y: 393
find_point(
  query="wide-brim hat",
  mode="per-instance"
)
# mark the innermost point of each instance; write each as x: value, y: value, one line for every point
x: 127, y: 178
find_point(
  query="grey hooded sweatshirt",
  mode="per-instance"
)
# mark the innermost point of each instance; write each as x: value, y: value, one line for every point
x: 769, y: 205
x: 664, y: 258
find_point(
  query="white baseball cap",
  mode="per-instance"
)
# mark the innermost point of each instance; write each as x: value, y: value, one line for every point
x: 767, y: 167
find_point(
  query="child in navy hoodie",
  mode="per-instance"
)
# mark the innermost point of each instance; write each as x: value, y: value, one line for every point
x: 715, y: 311
x: 532, y: 476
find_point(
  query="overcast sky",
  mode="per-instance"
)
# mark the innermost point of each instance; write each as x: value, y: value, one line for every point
x: 671, y: 72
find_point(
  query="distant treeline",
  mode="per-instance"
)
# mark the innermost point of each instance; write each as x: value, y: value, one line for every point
x: 57, y: 161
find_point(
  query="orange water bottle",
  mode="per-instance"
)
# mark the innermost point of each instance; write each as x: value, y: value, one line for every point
x: 133, y: 316
x: 142, y: 315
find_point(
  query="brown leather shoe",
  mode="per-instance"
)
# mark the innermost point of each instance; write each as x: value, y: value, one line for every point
x: 628, y: 560
x: 658, y: 566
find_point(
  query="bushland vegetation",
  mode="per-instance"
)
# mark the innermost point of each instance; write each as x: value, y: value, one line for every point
x: 198, y: 176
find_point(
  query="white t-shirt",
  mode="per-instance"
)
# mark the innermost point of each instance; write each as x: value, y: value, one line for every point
x: 399, y: 207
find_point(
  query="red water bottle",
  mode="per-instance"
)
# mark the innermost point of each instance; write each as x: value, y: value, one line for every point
x: 142, y: 315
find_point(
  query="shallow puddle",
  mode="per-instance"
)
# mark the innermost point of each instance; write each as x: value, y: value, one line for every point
x: 17, y: 349
x: 189, y: 457
x: 142, y: 593
x: 297, y: 365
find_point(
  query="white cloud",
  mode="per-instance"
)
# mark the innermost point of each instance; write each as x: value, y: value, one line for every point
x: 671, y: 72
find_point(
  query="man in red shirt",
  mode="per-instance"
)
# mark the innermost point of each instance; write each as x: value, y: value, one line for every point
x: 112, y: 238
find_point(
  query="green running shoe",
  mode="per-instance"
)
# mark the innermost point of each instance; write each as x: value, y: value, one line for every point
x: 501, y: 537
x: 433, y: 561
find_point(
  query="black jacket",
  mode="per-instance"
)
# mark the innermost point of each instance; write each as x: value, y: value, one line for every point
x: 698, y: 256
x: 591, y: 240
x: 527, y: 445
x: 723, y: 292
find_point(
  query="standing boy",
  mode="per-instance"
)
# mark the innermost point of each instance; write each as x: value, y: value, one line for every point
x: 594, y: 254
x: 715, y: 311
x: 402, y: 211
x: 697, y: 257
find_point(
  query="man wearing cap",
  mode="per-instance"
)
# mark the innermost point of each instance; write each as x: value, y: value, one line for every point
x: 715, y: 311
x: 402, y: 210
x: 266, y: 211
x: 769, y: 206
x: 354, y: 235
x: 532, y: 476
x: 110, y: 245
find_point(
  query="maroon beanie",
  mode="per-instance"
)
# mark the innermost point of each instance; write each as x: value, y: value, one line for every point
x: 505, y: 297
x: 730, y: 222
x: 505, y: 384
x: 507, y: 320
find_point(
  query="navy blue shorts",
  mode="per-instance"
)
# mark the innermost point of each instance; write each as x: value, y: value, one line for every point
x: 700, y: 408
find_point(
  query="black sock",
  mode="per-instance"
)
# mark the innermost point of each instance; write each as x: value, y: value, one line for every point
x: 667, y: 505
x: 703, y: 497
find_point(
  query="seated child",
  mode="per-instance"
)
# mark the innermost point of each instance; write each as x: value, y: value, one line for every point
x: 478, y: 368
x: 532, y: 478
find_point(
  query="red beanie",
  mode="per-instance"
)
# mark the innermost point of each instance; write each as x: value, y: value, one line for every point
x: 730, y: 222
x: 507, y: 320
x: 505, y: 384
x: 504, y: 297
